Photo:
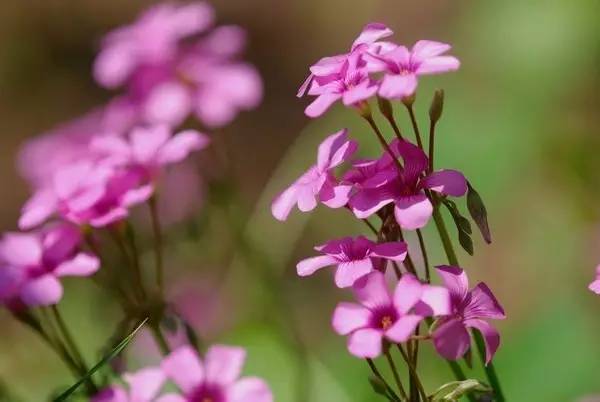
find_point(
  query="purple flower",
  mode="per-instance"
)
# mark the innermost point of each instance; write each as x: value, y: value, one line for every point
x: 31, y: 265
x: 318, y: 184
x: 406, y: 190
x: 382, y: 315
x: 144, y: 386
x: 470, y: 309
x: 354, y: 258
x: 403, y: 66
x: 595, y: 285
x: 215, y: 379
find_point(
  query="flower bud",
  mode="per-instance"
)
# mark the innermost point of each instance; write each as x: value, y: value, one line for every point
x: 437, y: 105
x: 409, y: 100
x: 385, y: 107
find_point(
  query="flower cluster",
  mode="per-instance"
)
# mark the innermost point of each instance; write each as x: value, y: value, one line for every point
x: 402, y: 189
x: 216, y: 379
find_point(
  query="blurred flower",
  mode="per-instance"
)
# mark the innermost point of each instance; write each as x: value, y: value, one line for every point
x: 354, y: 258
x: 31, y: 265
x: 406, y: 188
x: 318, y: 183
x: 402, y: 67
x: 470, y: 309
x: 143, y: 385
x: 381, y: 315
x: 215, y: 379
x: 595, y: 285
x: 170, y: 71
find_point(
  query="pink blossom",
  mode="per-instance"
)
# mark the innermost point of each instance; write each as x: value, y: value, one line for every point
x: 215, y: 379
x: 406, y: 190
x: 31, y: 265
x: 383, y: 315
x: 470, y: 309
x: 402, y: 67
x: 318, y: 184
x: 354, y: 258
x: 595, y: 285
x: 143, y: 386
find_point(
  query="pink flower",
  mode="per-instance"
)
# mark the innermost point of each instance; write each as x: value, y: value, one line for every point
x: 144, y: 386
x: 402, y: 67
x: 470, y: 309
x: 31, y: 265
x: 149, y: 149
x: 406, y: 190
x: 354, y: 258
x: 215, y: 379
x: 382, y: 315
x: 595, y: 285
x: 318, y: 184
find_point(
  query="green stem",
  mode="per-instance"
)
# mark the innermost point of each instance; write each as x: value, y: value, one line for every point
x: 415, y: 126
x: 130, y: 234
x: 392, y: 121
x: 158, y: 244
x: 377, y: 374
x: 120, y: 243
x: 408, y: 262
x: 413, y: 372
x: 160, y: 339
x: 424, y: 254
x: 381, y: 138
x: 70, y: 342
x: 490, y: 371
x: 431, y: 144
x: 395, y: 374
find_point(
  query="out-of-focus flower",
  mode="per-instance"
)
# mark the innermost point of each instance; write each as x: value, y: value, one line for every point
x: 170, y: 72
x: 595, y: 285
x: 470, y: 309
x: 149, y: 149
x: 354, y: 258
x: 31, y: 265
x: 318, y: 184
x: 402, y: 67
x: 382, y: 315
x: 215, y: 379
x: 143, y: 386
x: 406, y: 189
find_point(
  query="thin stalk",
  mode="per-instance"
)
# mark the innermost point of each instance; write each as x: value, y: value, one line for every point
x: 135, y: 259
x: 415, y: 125
x: 490, y: 371
x: 160, y: 339
x: 158, y: 244
x: 382, y: 140
x: 70, y: 342
x: 392, y: 121
x: 408, y: 262
x: 424, y: 254
x: 120, y: 243
x: 432, y: 125
x: 395, y: 374
x: 377, y: 374
x: 413, y: 372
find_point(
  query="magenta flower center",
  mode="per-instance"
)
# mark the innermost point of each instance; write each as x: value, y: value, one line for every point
x: 384, y: 317
x: 207, y: 393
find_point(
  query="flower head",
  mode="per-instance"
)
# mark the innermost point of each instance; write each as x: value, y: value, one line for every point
x: 405, y: 189
x: 318, y: 184
x: 143, y: 386
x: 402, y: 67
x: 470, y: 309
x: 216, y: 379
x: 383, y: 315
x: 31, y: 265
x: 354, y: 258
x: 595, y: 285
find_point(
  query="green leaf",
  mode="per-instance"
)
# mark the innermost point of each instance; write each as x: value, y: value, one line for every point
x: 462, y: 225
x: 478, y: 213
x: 65, y: 395
x: 453, y: 391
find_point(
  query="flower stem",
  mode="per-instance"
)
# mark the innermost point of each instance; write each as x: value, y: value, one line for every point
x: 413, y: 373
x: 377, y: 374
x: 432, y: 125
x: 490, y: 371
x: 424, y: 254
x: 161, y: 341
x: 70, y: 342
x: 395, y: 374
x: 158, y: 244
x: 415, y: 126
x: 381, y: 138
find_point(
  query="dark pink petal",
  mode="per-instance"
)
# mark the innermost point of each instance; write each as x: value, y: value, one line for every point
x: 395, y: 251
x: 349, y: 317
x: 448, y: 182
x: 370, y: 200
x: 320, y: 105
x: 438, y: 65
x: 490, y: 335
x: 113, y: 394
x: 335, y: 196
x: 399, y: 56
x: 451, y: 339
x: 114, y: 65
x: 170, y: 398
x: 168, y: 103
x: 415, y: 162
x: 435, y: 301
x: 334, y: 150
x: 20, y: 249
x: 408, y: 293
x: 424, y: 49
x: 403, y: 328
x: 398, y: 86
x: 184, y: 368
x: 144, y: 384
x: 137, y: 195
x: 146, y: 142
x: 349, y: 272
x: 371, y: 290
x: 113, y: 147
x: 365, y: 343
x: 310, y: 265
x: 82, y: 264
x: 224, y: 364
x: 328, y: 66
x: 284, y: 203
x: 38, y: 209
x: 45, y: 290
x: 334, y: 247
x: 361, y: 92
x: 456, y: 281
x: 371, y: 33
x: 483, y: 304
x: 413, y: 212
x: 112, y: 216
x: 181, y: 145
x: 249, y: 389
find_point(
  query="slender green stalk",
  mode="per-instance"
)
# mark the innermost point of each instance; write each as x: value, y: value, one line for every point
x: 415, y: 125
x: 432, y: 125
x: 381, y: 138
x: 115, y: 235
x: 392, y: 121
x: 395, y: 374
x: 70, y: 342
x: 137, y: 269
x: 158, y: 245
x: 408, y: 262
x: 443, y: 232
x: 424, y: 254
x: 377, y: 374
x: 161, y: 341
x: 413, y: 372
x: 490, y: 371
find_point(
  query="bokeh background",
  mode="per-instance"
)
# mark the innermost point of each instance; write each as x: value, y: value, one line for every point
x: 521, y: 120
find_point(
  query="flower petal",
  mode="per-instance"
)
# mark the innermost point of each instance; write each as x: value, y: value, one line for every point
x: 372, y: 291
x: 408, y: 293
x: 181, y: 145
x: 349, y: 317
x: 371, y: 33
x: 437, y: 65
x: 114, y: 393
x: 144, y: 384
x: 168, y: 103
x: 358, y: 93
x: 309, y: 266
x: 349, y: 272
x: 83, y: 264
x: 249, y: 389
x: 335, y: 196
x: 45, y: 290
x: 413, y: 212
x: 451, y: 339
x: 456, y: 281
x: 483, y: 304
x: 425, y: 49
x: 370, y: 200
x: 403, y: 328
x: 284, y: 203
x: 184, y: 368
x: 320, y: 105
x: 395, y: 251
x: 334, y: 150
x: 435, y: 301
x: 224, y: 364
x: 21, y: 249
x: 448, y: 182
x: 491, y: 337
x: 365, y: 343
x: 397, y: 86
x: 170, y: 398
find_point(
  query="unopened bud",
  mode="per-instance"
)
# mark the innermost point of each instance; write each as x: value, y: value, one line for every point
x: 409, y: 100
x: 437, y: 105
x: 364, y: 109
x: 385, y: 106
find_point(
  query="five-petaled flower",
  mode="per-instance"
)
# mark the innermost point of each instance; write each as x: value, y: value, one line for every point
x: 470, y: 309
x: 318, y: 184
x: 382, y: 315
x: 354, y: 258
